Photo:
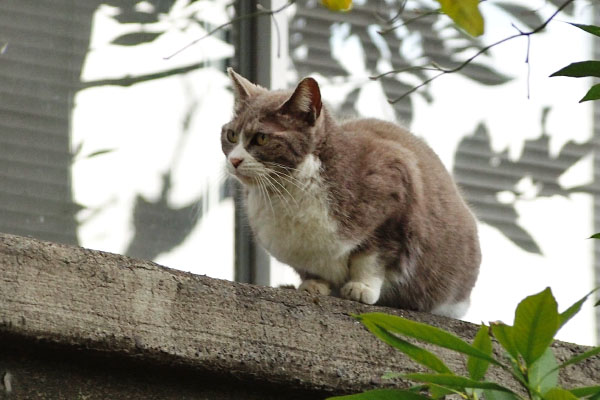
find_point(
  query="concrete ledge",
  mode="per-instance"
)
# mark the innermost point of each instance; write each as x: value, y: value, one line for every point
x: 112, y: 326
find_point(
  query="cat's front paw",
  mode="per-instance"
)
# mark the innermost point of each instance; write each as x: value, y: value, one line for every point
x: 314, y: 286
x: 358, y: 291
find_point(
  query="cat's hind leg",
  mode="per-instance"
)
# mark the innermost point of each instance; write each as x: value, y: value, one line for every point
x: 315, y: 286
x: 453, y: 310
x: 366, y: 278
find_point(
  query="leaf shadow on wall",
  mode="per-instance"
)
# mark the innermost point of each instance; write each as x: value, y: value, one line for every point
x: 485, y: 175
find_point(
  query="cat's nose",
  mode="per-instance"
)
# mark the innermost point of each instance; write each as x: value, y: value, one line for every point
x: 236, y: 162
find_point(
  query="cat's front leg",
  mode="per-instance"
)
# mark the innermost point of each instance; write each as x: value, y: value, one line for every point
x: 366, y: 279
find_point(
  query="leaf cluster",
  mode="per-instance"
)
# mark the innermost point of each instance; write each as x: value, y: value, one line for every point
x: 528, y: 356
x: 583, y: 69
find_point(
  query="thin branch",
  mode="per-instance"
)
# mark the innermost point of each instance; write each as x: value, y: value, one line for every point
x: 408, y: 21
x: 526, y: 60
x: 401, y: 7
x: 261, y: 12
x: 481, y: 51
x: 414, y: 89
x: 277, y: 32
x: 132, y: 80
x: 387, y: 20
x: 528, y: 67
x: 428, y: 67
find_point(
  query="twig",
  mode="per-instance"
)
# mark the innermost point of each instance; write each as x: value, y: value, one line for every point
x: 132, y: 80
x: 483, y: 50
x: 382, y: 18
x: 429, y: 67
x: 261, y: 12
x: 408, y: 21
x: 528, y: 67
x: 277, y: 32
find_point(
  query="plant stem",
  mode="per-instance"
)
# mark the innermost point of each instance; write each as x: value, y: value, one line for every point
x: 480, y: 52
x: 260, y: 12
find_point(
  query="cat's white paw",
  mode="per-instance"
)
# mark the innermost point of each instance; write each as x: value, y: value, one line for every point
x: 358, y: 291
x: 314, y: 286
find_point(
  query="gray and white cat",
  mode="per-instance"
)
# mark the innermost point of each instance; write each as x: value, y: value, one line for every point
x: 362, y: 209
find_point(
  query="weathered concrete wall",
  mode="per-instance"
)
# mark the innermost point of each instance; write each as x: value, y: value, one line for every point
x: 76, y: 323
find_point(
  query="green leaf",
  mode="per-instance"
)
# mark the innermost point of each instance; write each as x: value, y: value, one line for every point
x: 543, y: 373
x: 594, y: 30
x: 498, y: 395
x: 438, y: 392
x: 574, y: 360
x: 427, y: 333
x: 383, y: 394
x: 595, y: 236
x: 418, y: 354
x: 570, y: 312
x: 465, y: 13
x: 592, y: 94
x: 476, y: 366
x: 585, y: 391
x: 580, y: 69
x: 456, y: 382
x: 536, y: 323
x: 559, y: 394
x: 391, y: 375
x: 503, y: 334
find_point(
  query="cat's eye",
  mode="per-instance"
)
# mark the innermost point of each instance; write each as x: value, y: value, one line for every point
x: 232, y: 136
x: 261, y: 139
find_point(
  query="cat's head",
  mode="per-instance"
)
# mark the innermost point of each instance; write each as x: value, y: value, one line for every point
x: 271, y: 132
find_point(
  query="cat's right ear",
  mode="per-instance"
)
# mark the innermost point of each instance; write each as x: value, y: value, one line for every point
x: 243, y: 89
x: 305, y: 103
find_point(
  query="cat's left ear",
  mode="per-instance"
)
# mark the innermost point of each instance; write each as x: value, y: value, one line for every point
x: 243, y: 89
x: 305, y: 103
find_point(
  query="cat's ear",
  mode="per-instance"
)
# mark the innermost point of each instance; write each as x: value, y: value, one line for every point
x: 305, y: 103
x: 243, y: 89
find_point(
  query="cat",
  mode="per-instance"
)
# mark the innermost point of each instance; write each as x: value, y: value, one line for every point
x: 360, y: 209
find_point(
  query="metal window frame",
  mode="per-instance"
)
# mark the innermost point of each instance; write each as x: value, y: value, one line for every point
x: 596, y: 172
x: 254, y: 53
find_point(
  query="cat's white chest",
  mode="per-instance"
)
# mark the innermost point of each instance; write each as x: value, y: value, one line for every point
x: 294, y: 224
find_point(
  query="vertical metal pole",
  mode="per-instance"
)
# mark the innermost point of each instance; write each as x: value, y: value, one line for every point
x: 596, y: 189
x: 251, y: 261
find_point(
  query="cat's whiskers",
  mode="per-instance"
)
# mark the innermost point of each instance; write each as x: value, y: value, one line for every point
x: 269, y: 179
x: 290, y: 170
x: 259, y: 170
x: 274, y: 179
x: 288, y: 178
x: 276, y: 164
x: 265, y: 184
x: 264, y: 193
x: 223, y: 176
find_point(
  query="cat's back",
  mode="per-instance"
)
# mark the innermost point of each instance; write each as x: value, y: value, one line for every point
x: 376, y: 141
x: 386, y: 133
x: 380, y: 160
